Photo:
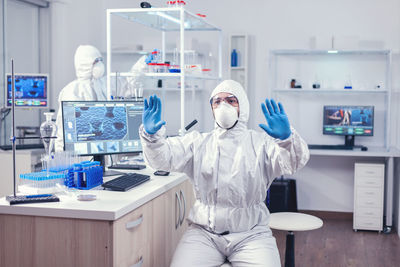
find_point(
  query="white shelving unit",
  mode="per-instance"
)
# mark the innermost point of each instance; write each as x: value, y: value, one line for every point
x: 370, y: 73
x: 164, y: 20
x: 240, y: 72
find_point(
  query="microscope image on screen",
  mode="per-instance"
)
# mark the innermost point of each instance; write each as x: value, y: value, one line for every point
x: 102, y: 127
x: 97, y: 123
x: 30, y: 90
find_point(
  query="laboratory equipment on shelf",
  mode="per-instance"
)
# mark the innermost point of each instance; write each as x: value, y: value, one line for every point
x: 166, y: 20
x: 177, y: 3
x: 48, y: 130
x: 234, y: 58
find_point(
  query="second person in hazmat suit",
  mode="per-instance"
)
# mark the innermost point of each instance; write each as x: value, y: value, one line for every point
x: 231, y: 169
x: 90, y: 83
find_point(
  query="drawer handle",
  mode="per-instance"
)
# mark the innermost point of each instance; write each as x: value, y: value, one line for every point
x: 184, y: 207
x: 139, y: 263
x: 135, y: 223
x: 180, y: 207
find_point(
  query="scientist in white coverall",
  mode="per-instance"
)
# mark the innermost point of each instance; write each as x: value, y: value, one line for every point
x: 231, y: 169
x: 90, y: 84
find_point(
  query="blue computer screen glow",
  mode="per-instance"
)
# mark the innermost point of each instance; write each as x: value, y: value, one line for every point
x: 31, y: 90
x: 348, y: 120
x: 102, y: 127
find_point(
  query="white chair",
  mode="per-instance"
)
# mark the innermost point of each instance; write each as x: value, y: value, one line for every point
x: 293, y: 221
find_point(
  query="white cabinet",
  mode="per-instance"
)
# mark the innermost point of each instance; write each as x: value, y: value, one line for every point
x: 368, y: 196
x: 147, y: 236
x: 239, y: 73
x: 368, y: 72
x: 170, y: 24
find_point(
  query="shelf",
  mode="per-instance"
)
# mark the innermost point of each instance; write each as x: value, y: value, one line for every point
x: 237, y: 68
x: 169, y: 89
x: 345, y: 91
x: 144, y: 52
x: 164, y: 19
x: 166, y: 75
x: 330, y: 52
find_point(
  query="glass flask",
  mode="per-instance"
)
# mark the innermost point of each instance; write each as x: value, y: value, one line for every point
x: 48, y: 130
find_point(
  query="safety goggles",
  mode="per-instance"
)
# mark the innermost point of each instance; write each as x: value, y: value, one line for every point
x: 231, y: 100
x: 99, y: 59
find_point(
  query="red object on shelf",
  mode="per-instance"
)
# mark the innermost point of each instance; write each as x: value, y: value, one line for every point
x: 201, y: 15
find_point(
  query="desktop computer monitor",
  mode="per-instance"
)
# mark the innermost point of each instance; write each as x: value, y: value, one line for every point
x: 349, y: 121
x: 98, y: 128
x: 31, y: 90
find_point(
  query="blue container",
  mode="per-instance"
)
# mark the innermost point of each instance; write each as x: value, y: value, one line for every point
x: 234, y: 57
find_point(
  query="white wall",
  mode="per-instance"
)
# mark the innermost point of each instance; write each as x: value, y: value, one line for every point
x: 271, y: 24
x: 22, y: 38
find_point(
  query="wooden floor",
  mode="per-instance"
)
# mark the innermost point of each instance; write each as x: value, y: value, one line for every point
x: 336, y: 244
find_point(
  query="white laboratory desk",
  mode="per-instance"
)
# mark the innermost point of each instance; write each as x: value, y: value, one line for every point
x: 141, y: 226
x: 372, y: 152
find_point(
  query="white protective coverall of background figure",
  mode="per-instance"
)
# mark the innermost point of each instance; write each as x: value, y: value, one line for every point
x: 91, y: 83
x: 231, y: 170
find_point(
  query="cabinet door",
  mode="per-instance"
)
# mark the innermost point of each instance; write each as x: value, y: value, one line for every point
x: 47, y: 241
x: 159, y: 228
x: 173, y: 210
x: 187, y: 199
x: 132, y: 237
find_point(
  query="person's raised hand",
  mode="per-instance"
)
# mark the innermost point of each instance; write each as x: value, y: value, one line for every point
x: 151, y: 117
x: 278, y: 123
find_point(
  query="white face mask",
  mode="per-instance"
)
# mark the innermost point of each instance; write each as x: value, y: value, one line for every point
x: 225, y: 115
x: 98, y: 70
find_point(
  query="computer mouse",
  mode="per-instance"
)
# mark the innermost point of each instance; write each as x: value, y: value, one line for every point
x: 364, y: 148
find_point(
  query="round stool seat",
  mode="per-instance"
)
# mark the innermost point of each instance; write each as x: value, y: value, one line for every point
x: 294, y: 221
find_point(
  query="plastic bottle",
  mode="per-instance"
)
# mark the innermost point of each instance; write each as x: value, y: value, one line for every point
x: 234, y: 57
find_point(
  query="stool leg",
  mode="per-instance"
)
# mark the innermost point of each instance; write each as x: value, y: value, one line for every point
x: 289, y: 253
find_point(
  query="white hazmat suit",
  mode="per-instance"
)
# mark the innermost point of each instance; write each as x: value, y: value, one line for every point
x: 231, y: 171
x: 90, y: 84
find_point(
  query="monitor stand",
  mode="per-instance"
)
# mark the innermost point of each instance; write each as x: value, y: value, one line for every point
x: 349, y: 140
x: 102, y: 161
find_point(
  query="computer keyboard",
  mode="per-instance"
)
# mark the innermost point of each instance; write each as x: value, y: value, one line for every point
x: 31, y: 199
x: 126, y: 181
x: 341, y: 147
x: 22, y: 146
x: 127, y: 166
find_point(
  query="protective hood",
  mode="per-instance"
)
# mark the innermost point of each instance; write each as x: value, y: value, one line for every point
x: 236, y: 89
x: 85, y: 56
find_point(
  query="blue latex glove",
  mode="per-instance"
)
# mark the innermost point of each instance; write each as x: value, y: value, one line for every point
x: 151, y: 117
x: 278, y: 123
x: 150, y: 57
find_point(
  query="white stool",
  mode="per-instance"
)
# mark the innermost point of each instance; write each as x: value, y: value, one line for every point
x: 293, y: 221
